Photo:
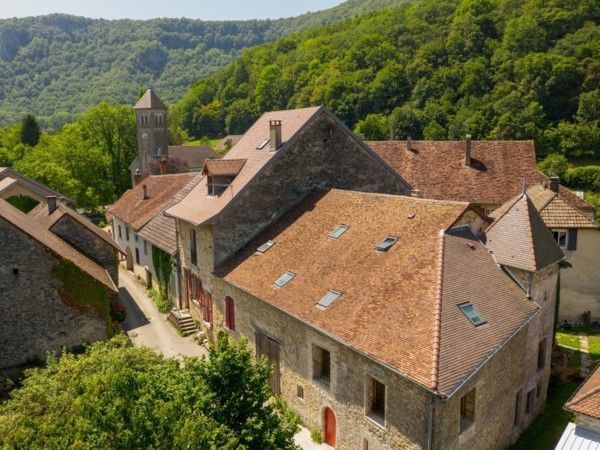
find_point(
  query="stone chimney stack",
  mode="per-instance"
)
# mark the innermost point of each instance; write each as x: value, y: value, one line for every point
x: 554, y: 184
x: 51, y: 199
x: 137, y: 178
x: 275, y: 134
x: 468, y: 150
x: 163, y: 168
x: 145, y: 190
x: 408, y: 143
x: 416, y: 193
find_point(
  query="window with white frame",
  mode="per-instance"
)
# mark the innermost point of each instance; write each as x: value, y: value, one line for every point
x: 561, y: 237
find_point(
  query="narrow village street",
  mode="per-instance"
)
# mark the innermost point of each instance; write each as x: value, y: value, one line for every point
x: 147, y: 327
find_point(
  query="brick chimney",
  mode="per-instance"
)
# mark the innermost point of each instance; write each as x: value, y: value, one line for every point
x: 163, y: 167
x: 554, y: 183
x: 275, y: 134
x: 137, y: 178
x: 468, y: 150
x: 145, y: 192
x: 51, y: 199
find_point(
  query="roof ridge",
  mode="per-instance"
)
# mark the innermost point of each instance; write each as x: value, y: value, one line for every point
x: 573, y: 208
x: 577, y: 400
x: 437, y: 331
x: 529, y: 204
x: 497, y: 219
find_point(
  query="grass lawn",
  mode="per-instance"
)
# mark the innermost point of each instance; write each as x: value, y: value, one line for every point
x: 569, y: 338
x: 566, y: 339
x: 546, y: 429
x: 594, y: 347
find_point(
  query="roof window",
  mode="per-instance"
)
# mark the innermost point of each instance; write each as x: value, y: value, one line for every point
x: 341, y: 229
x: 328, y: 299
x: 284, y: 279
x: 472, y: 314
x: 386, y: 244
x: 266, y: 246
x: 262, y: 144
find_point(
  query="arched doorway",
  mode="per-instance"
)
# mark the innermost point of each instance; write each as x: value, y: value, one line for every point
x: 129, y: 260
x: 329, y: 426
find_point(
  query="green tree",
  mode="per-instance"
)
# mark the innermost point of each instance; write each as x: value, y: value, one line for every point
x: 374, y: 127
x: 30, y: 130
x: 554, y: 164
x: 118, y: 396
x: 406, y: 121
x: 240, y: 115
x: 272, y: 89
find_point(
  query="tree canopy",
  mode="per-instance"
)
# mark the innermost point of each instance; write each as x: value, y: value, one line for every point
x: 118, y: 396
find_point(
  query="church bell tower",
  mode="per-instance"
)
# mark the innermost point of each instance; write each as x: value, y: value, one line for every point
x: 153, y: 137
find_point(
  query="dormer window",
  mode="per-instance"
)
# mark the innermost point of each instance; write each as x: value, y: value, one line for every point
x: 220, y: 173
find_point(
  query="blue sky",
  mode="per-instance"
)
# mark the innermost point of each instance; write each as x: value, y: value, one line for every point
x: 146, y: 9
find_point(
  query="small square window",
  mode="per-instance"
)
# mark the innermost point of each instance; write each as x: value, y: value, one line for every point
x: 266, y: 246
x: 386, y: 244
x: 328, y: 299
x: 300, y: 392
x: 560, y: 236
x: 284, y: 279
x: 472, y: 314
x: 341, y: 229
x: 15, y: 271
x: 262, y: 144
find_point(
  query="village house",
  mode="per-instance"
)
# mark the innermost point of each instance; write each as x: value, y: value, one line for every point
x: 23, y: 192
x: 153, y: 142
x: 579, y: 238
x: 52, y: 294
x: 584, y: 431
x: 378, y: 339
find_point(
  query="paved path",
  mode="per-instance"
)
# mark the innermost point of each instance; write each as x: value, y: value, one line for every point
x: 304, y: 441
x: 146, y: 326
x: 586, y: 361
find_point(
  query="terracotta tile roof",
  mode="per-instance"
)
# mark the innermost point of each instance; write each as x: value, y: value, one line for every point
x: 471, y: 275
x: 575, y: 200
x: 149, y: 101
x: 519, y: 238
x: 232, y: 139
x: 8, y: 177
x: 555, y: 208
x: 586, y: 399
x: 390, y: 311
x: 218, y: 167
x: 160, y: 231
x: 193, y: 155
x: 198, y: 207
x: 136, y: 212
x: 53, y: 243
x: 438, y: 170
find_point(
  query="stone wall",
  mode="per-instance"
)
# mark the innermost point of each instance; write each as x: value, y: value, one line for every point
x: 88, y: 243
x: 323, y: 156
x: 34, y: 319
x: 580, y: 284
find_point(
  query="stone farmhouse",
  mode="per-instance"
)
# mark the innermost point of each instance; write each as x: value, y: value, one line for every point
x: 153, y: 142
x: 141, y: 230
x: 56, y: 286
x: 579, y: 238
x: 584, y: 431
x: 368, y: 303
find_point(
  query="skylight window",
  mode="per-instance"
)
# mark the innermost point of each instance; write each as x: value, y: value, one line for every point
x: 386, y: 244
x: 472, y: 314
x: 328, y: 299
x: 284, y: 279
x: 266, y: 246
x: 262, y: 144
x: 341, y: 229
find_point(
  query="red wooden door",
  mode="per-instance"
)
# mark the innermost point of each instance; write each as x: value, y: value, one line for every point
x: 329, y: 427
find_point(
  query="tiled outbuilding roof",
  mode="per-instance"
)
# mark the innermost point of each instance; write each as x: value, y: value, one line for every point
x: 136, y: 211
x: 230, y: 140
x: 53, y: 243
x: 402, y: 311
x: 438, y: 169
x: 586, y: 399
x: 193, y: 155
x: 519, y: 238
x: 223, y: 167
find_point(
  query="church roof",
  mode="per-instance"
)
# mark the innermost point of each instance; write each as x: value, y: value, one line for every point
x: 520, y: 239
x: 149, y: 101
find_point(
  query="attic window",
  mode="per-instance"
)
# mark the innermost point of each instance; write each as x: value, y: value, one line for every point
x: 266, y: 246
x: 386, y: 244
x: 472, y: 314
x: 328, y: 299
x: 262, y: 144
x: 341, y: 229
x: 284, y: 279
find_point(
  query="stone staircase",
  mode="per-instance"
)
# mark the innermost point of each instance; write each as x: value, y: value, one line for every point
x: 183, y: 321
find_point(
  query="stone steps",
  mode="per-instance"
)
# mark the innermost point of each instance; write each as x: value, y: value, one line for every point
x: 183, y: 321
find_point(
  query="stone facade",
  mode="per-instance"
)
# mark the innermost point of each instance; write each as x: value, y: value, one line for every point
x: 88, y: 243
x: 35, y: 319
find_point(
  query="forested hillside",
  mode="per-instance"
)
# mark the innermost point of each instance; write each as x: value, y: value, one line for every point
x: 59, y: 66
x: 433, y: 69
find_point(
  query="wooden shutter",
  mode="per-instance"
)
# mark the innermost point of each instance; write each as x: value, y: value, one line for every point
x: 572, y: 239
x: 230, y: 313
x: 269, y: 348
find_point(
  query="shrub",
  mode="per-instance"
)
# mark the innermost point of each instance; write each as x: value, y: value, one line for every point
x: 584, y: 177
x: 316, y: 436
x: 162, y: 302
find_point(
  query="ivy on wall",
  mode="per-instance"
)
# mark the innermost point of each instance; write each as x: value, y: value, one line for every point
x: 163, y: 268
x: 82, y: 291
